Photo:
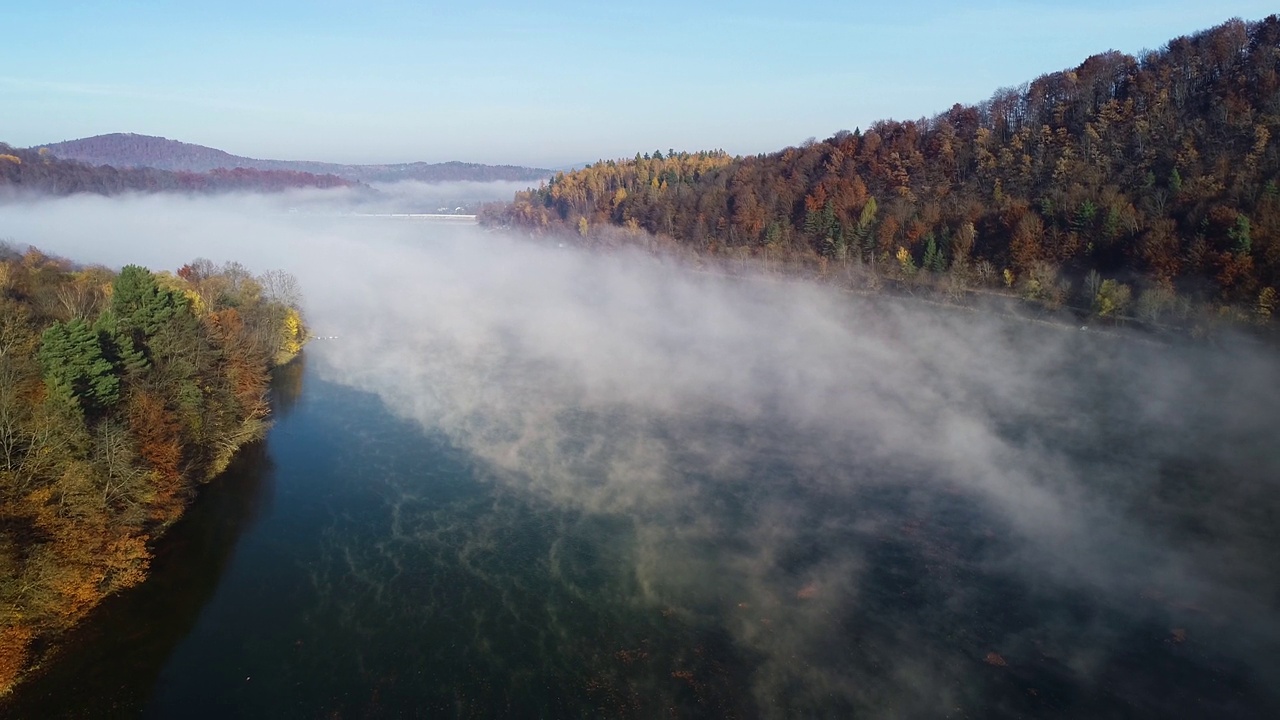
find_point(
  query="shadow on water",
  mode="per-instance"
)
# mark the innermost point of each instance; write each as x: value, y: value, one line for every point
x: 108, y: 666
x: 286, y: 386
x: 388, y: 568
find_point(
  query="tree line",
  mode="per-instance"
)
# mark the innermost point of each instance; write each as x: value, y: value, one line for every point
x: 128, y: 150
x: 1143, y: 185
x: 120, y: 393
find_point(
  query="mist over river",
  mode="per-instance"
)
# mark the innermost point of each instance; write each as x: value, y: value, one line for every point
x: 532, y: 481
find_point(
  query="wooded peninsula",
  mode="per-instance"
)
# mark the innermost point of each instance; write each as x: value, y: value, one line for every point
x: 120, y: 394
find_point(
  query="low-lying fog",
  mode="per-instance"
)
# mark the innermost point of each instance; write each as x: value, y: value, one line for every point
x: 1117, y: 479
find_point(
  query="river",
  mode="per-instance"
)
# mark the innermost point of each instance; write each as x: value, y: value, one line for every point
x: 356, y: 565
x: 538, y: 485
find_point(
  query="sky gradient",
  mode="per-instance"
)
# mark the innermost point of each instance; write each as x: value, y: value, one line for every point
x: 549, y: 84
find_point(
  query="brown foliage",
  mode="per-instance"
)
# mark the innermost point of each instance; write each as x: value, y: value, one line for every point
x: 246, y: 367
x: 1159, y: 250
x: 127, y: 559
x: 1142, y: 169
x: 887, y: 234
x: 158, y: 432
x: 81, y: 497
x: 14, y: 641
x: 1025, y: 249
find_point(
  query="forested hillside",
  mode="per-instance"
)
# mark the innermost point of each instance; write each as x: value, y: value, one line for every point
x: 119, y: 394
x: 1141, y: 186
x: 40, y: 172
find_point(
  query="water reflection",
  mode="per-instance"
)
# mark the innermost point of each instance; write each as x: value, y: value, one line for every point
x: 864, y: 510
x: 109, y: 664
x: 624, y: 560
x: 286, y: 386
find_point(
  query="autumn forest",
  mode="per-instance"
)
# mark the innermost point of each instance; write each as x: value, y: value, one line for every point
x: 120, y: 393
x: 1130, y: 186
x: 1129, y: 190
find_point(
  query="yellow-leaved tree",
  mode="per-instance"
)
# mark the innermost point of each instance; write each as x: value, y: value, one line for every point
x: 292, y: 336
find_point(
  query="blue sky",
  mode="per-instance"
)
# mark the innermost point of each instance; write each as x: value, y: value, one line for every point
x: 544, y: 83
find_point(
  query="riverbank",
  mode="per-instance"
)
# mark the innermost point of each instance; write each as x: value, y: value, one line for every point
x: 973, y: 289
x: 117, y: 404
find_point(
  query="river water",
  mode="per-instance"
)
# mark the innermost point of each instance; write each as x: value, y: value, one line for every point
x: 357, y: 565
x: 446, y: 523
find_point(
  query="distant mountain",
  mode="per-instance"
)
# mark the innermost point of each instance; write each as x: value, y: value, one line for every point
x: 127, y: 150
x: 37, y: 171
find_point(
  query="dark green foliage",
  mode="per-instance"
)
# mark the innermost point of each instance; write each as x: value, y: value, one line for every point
x: 139, y: 303
x: 150, y: 321
x: 1084, y: 216
x: 773, y: 234
x: 863, y: 233
x: 110, y: 421
x: 934, y: 261
x: 76, y: 370
x: 1241, y: 235
x: 119, y: 345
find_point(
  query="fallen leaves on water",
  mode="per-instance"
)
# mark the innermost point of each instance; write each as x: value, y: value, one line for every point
x: 626, y: 657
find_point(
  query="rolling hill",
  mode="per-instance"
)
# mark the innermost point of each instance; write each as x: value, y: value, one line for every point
x: 1128, y: 185
x: 24, y: 172
x: 127, y: 150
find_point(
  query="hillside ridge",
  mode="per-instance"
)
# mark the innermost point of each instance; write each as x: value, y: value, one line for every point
x: 1134, y: 186
x: 131, y: 150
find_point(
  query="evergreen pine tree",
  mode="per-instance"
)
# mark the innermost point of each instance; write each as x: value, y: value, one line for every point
x: 76, y: 370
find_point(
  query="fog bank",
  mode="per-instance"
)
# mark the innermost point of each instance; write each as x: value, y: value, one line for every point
x: 765, y: 440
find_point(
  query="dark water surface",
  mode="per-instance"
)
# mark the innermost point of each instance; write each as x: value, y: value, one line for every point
x: 358, y: 565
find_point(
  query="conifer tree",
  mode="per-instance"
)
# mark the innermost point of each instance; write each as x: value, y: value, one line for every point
x: 76, y: 370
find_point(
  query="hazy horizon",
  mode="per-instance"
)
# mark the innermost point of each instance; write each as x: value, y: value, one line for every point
x: 542, y: 86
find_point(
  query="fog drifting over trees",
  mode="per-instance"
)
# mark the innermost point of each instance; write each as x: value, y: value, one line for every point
x: 1141, y: 475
